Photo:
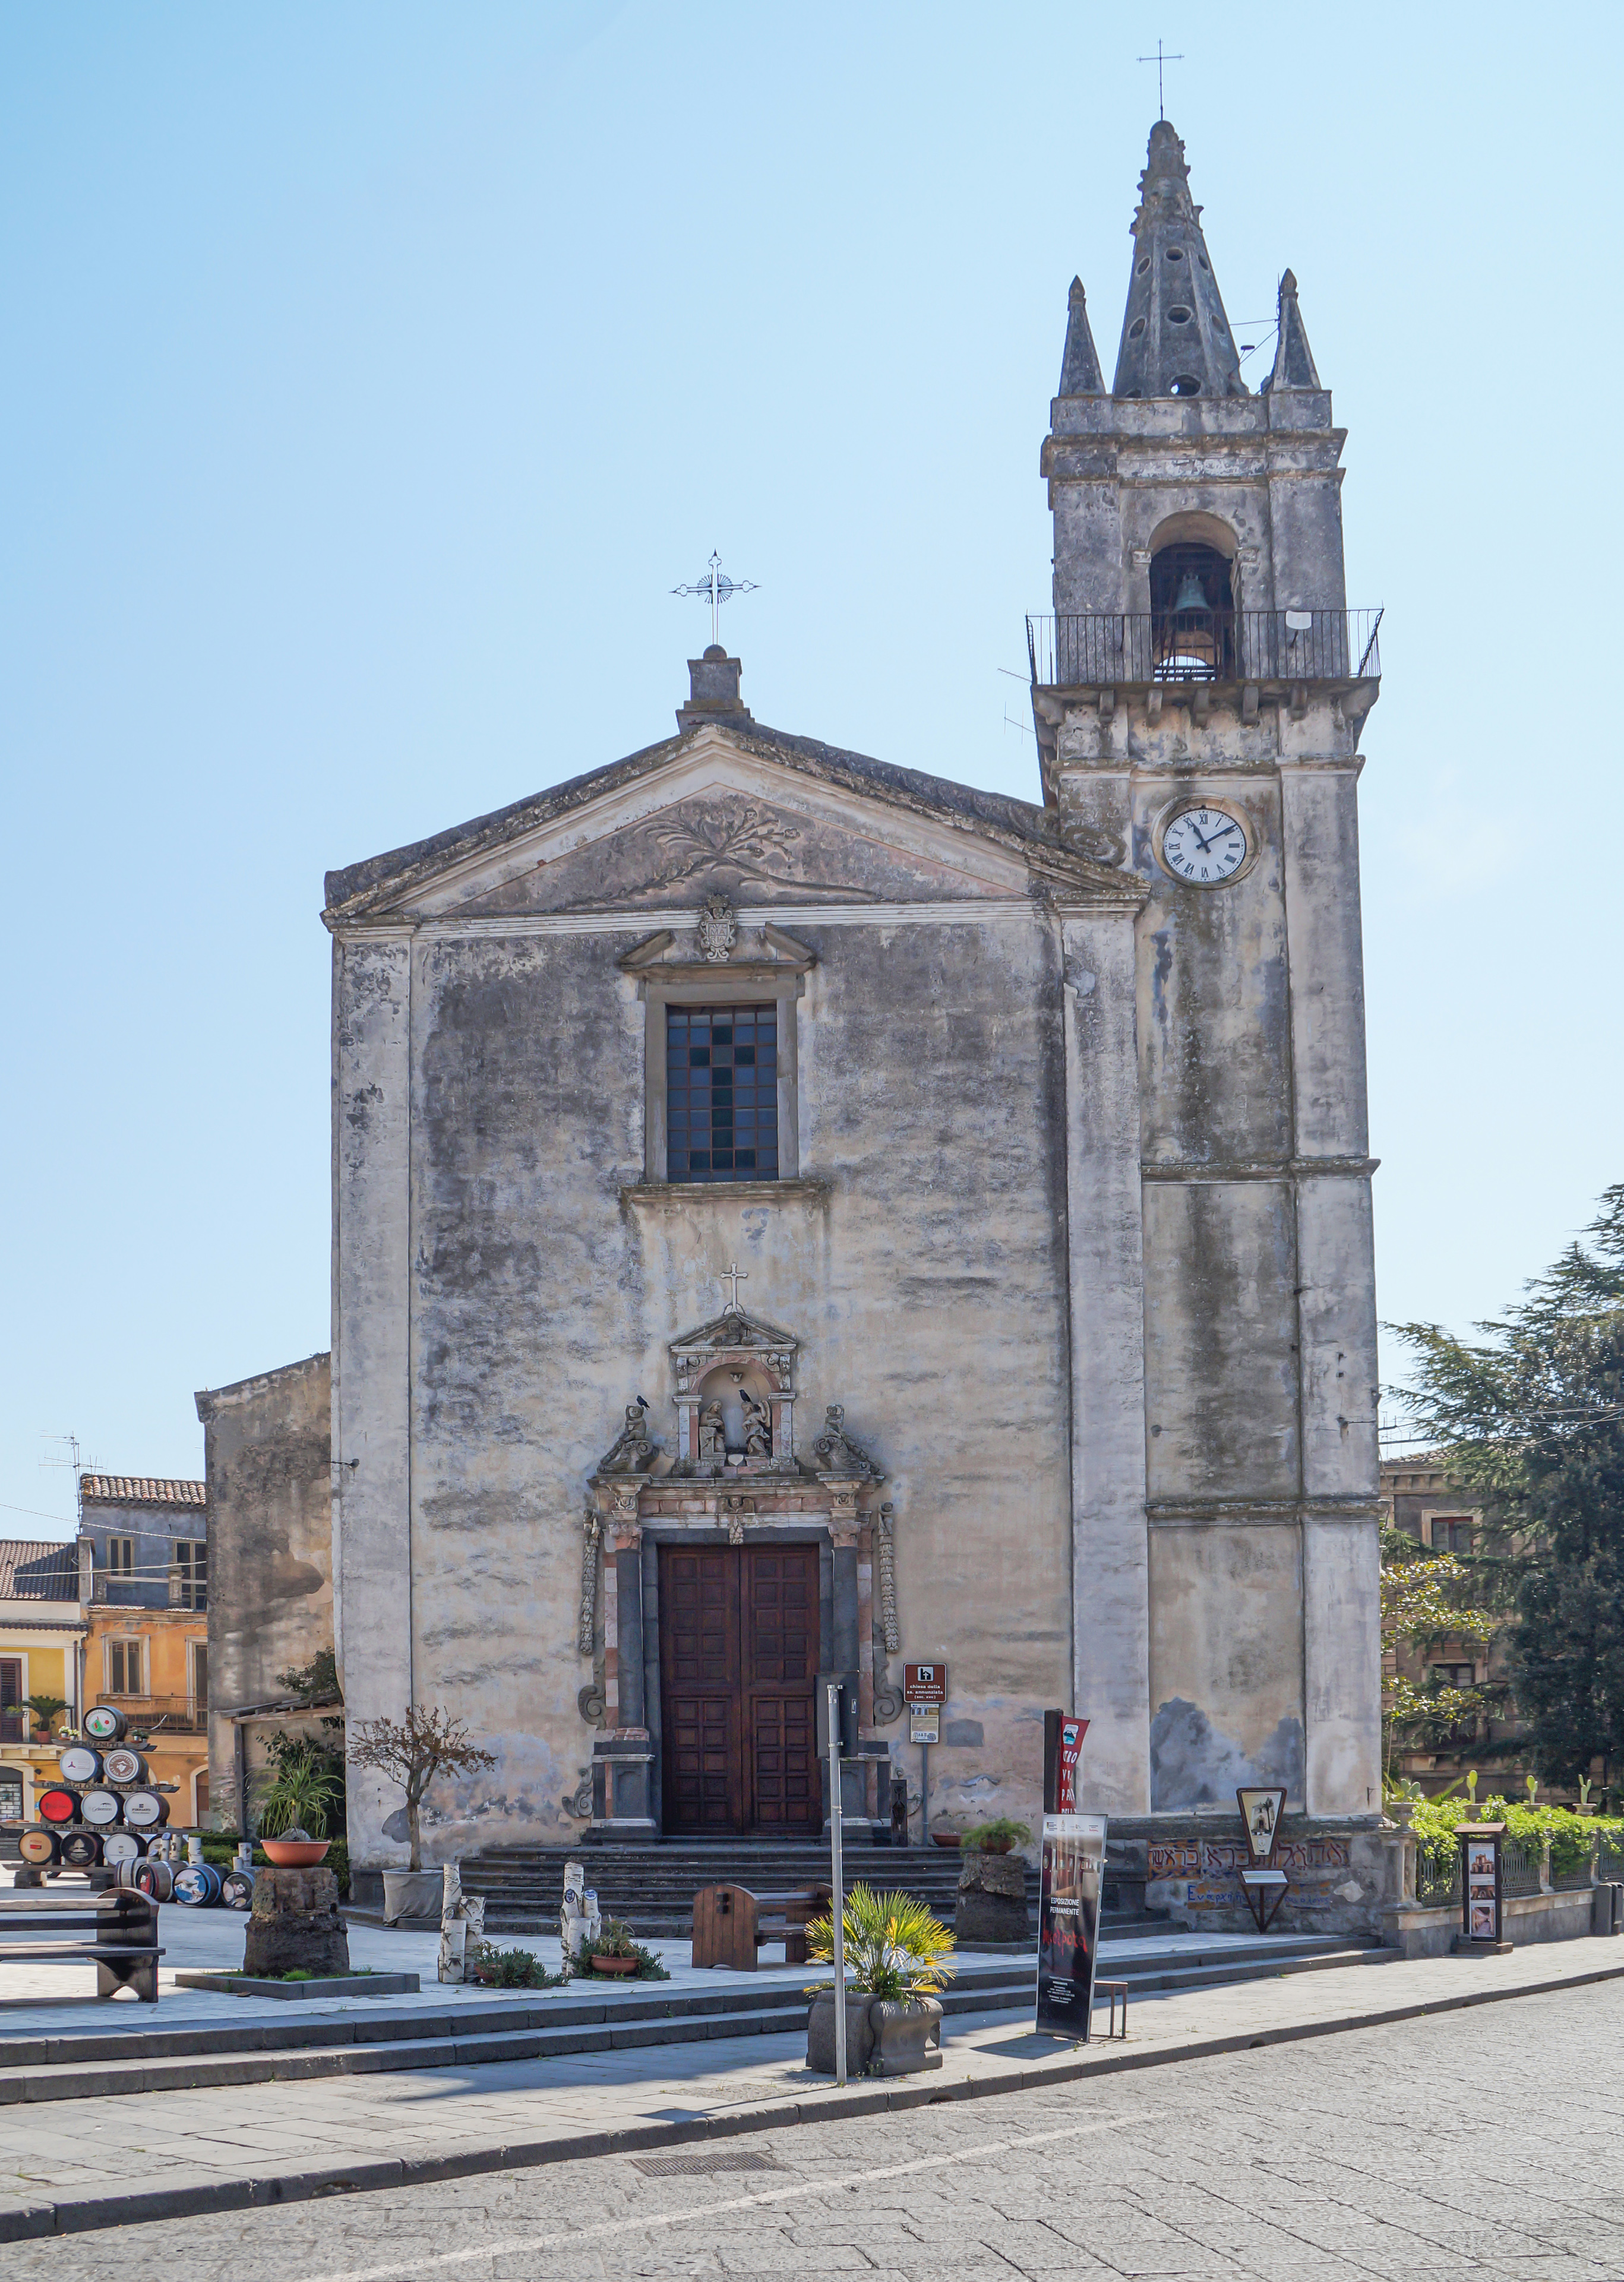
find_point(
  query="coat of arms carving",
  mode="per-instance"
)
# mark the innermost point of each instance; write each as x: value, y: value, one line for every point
x: 719, y: 928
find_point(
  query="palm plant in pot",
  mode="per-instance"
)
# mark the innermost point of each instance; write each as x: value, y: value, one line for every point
x: 896, y: 1960
x: 411, y: 1752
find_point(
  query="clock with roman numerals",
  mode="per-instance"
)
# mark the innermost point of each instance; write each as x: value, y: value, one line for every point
x: 1204, y: 846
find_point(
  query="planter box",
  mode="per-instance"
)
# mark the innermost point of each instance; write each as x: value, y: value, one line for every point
x: 412, y: 1897
x: 820, y: 2033
x: 338, y: 1985
x: 883, y: 2038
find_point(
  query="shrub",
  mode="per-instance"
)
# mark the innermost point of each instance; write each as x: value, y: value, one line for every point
x: 893, y: 1945
x: 616, y: 1940
x: 998, y: 1837
x: 1571, y: 1835
x: 509, y: 1969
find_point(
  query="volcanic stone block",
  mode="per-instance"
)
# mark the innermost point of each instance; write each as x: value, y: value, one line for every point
x: 992, y: 1905
x: 294, y: 1924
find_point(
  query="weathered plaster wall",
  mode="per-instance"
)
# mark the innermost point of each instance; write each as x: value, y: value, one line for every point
x: 267, y: 1449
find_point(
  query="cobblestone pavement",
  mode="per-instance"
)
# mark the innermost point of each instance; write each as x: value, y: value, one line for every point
x: 1483, y: 2143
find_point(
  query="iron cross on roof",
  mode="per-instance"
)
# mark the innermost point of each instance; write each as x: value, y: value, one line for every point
x: 716, y: 588
x: 1159, y: 59
x: 733, y: 1277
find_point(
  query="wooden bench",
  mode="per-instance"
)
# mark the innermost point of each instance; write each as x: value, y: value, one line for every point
x: 731, y: 1923
x: 121, y: 1923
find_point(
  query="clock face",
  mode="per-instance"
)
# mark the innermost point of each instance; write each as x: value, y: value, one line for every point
x: 1204, y: 846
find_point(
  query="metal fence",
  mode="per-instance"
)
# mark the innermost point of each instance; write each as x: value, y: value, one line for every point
x: 1095, y: 651
x: 1610, y: 1856
x: 1438, y: 1874
x: 1520, y: 1868
x: 172, y: 1713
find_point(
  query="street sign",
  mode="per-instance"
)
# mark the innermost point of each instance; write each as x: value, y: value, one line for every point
x: 925, y: 1724
x: 924, y: 1683
x: 1063, y: 1758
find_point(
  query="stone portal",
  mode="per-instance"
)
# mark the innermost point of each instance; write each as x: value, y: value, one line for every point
x: 738, y: 1675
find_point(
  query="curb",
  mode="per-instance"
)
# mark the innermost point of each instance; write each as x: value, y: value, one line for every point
x: 34, y: 2221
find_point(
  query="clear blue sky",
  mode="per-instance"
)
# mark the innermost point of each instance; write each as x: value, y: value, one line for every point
x: 374, y: 371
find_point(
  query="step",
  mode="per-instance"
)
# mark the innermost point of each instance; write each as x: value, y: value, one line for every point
x: 167, y: 2060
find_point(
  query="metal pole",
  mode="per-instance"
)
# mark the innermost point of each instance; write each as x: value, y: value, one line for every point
x: 837, y: 1912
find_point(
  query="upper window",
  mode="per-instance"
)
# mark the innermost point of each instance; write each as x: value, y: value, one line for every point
x: 190, y: 1589
x: 721, y: 1093
x: 122, y: 1556
x: 1452, y: 1533
x: 11, y: 1699
x: 124, y: 1667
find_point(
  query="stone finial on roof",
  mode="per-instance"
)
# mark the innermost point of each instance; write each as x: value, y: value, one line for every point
x: 1175, y: 338
x: 1293, y: 359
x: 1080, y: 373
x: 713, y: 690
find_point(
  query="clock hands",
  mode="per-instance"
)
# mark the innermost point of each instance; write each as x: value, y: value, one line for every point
x: 1206, y: 845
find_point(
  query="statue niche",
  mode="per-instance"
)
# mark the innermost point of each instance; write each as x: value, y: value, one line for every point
x: 735, y: 1398
x: 735, y: 1417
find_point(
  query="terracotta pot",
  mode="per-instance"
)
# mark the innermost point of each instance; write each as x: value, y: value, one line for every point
x: 295, y: 1853
x: 903, y: 2033
x: 619, y: 1965
x: 994, y: 1846
x: 412, y: 1897
x: 944, y: 1837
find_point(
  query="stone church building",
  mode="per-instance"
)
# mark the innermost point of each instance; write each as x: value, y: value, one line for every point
x: 795, y: 1214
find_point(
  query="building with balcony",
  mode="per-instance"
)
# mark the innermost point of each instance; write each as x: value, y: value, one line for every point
x: 142, y: 1582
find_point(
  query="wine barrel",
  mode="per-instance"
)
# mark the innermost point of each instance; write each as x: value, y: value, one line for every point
x: 79, y: 1764
x: 155, y: 1879
x: 80, y: 1850
x: 197, y: 1884
x: 236, y: 1888
x: 122, y: 1764
x: 56, y: 1804
x: 101, y: 1807
x: 145, y: 1810
x: 122, y: 1846
x: 38, y: 1847
x: 104, y: 1723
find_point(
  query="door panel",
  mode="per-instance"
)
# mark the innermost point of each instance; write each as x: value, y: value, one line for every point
x: 738, y: 1669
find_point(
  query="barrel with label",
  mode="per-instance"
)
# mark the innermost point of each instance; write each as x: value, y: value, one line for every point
x: 38, y: 1847
x: 122, y: 1846
x: 122, y: 1764
x: 101, y: 1807
x: 145, y: 1810
x: 104, y: 1723
x: 79, y: 1764
x: 236, y: 1889
x: 197, y: 1884
x: 154, y: 1879
x: 80, y: 1850
x: 58, y: 1803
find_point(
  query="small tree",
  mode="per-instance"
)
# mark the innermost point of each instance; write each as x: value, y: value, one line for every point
x: 1423, y: 1600
x: 410, y: 1752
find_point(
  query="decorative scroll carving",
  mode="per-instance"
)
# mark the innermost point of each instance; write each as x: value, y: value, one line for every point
x: 888, y: 1700
x: 591, y: 1532
x: 736, y: 1511
x: 885, y: 1545
x: 579, y: 1801
x: 632, y: 1449
x: 719, y: 929
x: 835, y: 1450
x: 589, y: 1703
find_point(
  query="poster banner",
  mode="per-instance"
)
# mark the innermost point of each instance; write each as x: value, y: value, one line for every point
x: 1069, y: 1922
x: 1062, y: 1760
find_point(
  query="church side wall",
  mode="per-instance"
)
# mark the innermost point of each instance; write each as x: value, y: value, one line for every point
x: 926, y: 1289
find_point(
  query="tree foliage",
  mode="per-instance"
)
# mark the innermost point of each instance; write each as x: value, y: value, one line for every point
x: 410, y: 1752
x: 1531, y: 1415
x: 1426, y: 1600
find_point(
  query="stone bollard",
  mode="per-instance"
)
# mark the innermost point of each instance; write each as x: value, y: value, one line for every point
x: 992, y: 1905
x: 294, y: 1924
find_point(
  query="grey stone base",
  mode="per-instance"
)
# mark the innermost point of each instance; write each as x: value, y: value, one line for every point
x: 338, y: 1985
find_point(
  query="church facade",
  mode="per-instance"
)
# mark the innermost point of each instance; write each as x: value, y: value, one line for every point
x: 795, y: 1215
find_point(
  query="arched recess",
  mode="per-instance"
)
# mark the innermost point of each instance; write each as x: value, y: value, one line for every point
x: 1194, y: 598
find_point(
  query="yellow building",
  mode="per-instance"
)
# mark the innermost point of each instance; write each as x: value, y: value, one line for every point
x: 144, y: 1582
x: 41, y: 1627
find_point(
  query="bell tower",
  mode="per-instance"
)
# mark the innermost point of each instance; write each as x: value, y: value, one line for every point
x: 1198, y: 693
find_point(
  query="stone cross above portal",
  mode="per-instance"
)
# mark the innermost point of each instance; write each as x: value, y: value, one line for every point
x: 733, y: 1276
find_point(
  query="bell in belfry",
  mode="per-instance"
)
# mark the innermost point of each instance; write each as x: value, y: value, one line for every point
x: 1191, y: 595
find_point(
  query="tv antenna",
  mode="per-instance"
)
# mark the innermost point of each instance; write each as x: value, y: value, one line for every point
x: 1159, y: 59
x: 717, y: 588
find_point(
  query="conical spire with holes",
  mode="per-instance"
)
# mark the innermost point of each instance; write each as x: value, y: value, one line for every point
x: 1080, y: 373
x: 1293, y: 359
x: 1176, y: 338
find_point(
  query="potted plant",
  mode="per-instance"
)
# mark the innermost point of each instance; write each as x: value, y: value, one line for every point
x: 410, y: 1752
x: 998, y: 1837
x: 895, y: 1959
x: 45, y: 1709
x: 302, y: 1792
x: 294, y: 1850
x: 615, y: 1953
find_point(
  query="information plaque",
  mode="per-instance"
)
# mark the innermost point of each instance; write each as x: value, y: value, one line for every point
x: 1069, y: 1922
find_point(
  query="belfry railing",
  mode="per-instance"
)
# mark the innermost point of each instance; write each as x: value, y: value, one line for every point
x: 1085, y: 650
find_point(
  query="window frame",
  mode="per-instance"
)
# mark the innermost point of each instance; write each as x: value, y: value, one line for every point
x: 738, y: 984
x: 124, y: 1566
x: 126, y: 1640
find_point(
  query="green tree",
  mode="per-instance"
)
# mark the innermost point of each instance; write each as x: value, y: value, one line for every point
x: 1532, y: 1416
x: 1426, y: 1599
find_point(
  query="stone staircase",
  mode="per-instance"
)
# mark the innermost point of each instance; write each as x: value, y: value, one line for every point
x: 653, y: 1887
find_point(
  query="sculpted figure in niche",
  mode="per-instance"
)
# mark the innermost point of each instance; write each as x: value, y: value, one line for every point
x: 757, y: 1425
x: 713, y: 1436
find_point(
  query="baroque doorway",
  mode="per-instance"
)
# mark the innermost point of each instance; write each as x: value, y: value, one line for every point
x: 738, y: 1674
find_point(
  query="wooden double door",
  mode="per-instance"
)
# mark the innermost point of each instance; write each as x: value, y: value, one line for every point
x: 738, y: 1680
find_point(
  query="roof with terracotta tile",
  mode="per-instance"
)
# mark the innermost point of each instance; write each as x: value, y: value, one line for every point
x: 139, y: 1489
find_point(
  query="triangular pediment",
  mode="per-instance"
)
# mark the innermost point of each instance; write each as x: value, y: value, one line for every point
x: 732, y: 1332
x: 759, y: 819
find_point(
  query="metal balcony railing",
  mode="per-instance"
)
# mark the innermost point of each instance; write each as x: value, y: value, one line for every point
x: 1085, y: 650
x: 171, y: 1714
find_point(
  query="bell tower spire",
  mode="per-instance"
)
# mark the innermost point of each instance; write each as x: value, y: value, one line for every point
x: 1080, y: 373
x: 1175, y: 338
x: 1293, y: 359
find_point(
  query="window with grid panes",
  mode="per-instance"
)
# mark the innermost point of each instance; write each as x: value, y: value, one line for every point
x: 123, y: 1667
x: 122, y: 1556
x: 1450, y: 1534
x: 721, y: 1093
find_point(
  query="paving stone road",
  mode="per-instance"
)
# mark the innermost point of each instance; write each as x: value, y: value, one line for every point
x: 1481, y: 2144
